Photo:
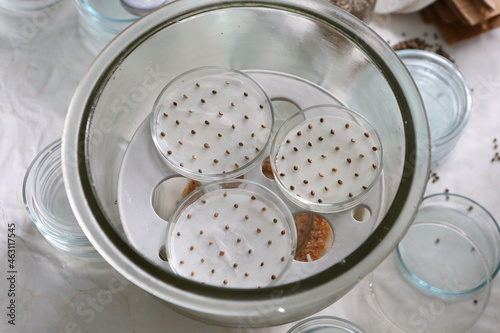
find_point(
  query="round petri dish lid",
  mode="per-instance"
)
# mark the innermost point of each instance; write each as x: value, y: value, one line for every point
x: 412, y: 309
x: 325, y: 324
x: 326, y: 158
x: 212, y: 123
x: 231, y: 233
x: 439, y: 277
x: 471, y: 237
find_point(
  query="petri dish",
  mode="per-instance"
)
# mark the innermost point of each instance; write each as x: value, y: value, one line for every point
x: 325, y: 324
x: 100, y: 21
x: 326, y: 158
x: 47, y: 205
x: 212, y: 123
x: 446, y: 96
x: 439, y: 277
x: 231, y: 233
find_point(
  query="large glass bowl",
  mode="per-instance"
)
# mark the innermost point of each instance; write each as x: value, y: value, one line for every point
x: 314, y: 41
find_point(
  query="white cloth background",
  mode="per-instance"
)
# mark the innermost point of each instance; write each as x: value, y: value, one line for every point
x: 41, y: 61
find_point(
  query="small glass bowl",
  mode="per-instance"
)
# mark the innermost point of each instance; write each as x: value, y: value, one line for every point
x: 446, y: 96
x: 29, y: 7
x: 326, y: 158
x: 439, y: 277
x: 100, y: 21
x: 231, y: 233
x: 47, y: 205
x: 325, y: 324
x: 212, y: 123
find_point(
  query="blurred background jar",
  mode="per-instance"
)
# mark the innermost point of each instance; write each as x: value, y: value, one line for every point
x: 400, y: 6
x: 35, y: 8
x: 362, y: 9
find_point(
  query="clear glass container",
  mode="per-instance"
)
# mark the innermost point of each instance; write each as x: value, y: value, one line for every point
x: 446, y: 96
x: 100, y: 21
x: 442, y: 269
x: 325, y: 324
x: 326, y: 158
x: 29, y: 7
x: 47, y: 205
x: 212, y: 123
x: 314, y: 41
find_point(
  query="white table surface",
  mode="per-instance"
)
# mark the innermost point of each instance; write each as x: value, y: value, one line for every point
x: 41, y: 61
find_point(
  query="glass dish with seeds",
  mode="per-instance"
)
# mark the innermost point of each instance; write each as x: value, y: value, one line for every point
x: 231, y: 233
x: 326, y: 158
x: 212, y: 123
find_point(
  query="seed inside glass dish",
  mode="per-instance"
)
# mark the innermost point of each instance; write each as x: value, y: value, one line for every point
x: 331, y: 160
x: 222, y: 117
x: 231, y: 237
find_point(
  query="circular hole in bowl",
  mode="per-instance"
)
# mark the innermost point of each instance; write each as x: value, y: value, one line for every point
x: 162, y: 253
x: 168, y: 193
x: 266, y: 169
x: 361, y: 213
x: 314, y: 236
x: 283, y: 110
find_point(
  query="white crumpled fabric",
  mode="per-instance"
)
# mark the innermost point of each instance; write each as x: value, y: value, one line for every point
x: 41, y: 61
